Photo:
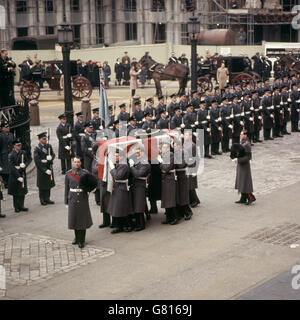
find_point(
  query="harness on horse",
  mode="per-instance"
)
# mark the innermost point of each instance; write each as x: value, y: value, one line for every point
x: 152, y: 68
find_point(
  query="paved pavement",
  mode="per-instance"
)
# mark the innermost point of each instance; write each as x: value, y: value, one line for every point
x: 227, y: 251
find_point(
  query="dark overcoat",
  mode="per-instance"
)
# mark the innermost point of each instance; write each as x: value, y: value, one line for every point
x: 140, y: 171
x: 6, y: 141
x: 243, y: 182
x: 168, y: 183
x: 63, y: 140
x: 79, y: 214
x: 87, y: 143
x: 182, y: 181
x: 104, y: 197
x: 44, y: 181
x: 15, y: 187
x: 192, y: 160
x: 78, y: 132
x: 120, y: 199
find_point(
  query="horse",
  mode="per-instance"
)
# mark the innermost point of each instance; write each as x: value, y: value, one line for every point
x: 160, y: 72
x: 290, y: 63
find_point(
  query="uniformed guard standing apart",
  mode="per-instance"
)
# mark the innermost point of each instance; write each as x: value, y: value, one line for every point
x: 6, y: 140
x: 140, y: 172
x: 64, y: 136
x: 17, y: 182
x: 43, y: 159
x: 87, y: 142
x: 77, y: 200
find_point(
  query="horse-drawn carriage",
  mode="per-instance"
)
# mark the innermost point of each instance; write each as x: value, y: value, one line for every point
x: 239, y: 68
x: 52, y: 74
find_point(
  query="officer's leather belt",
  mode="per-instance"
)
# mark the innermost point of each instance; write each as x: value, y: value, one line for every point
x: 17, y: 167
x: 171, y: 171
x: 44, y: 161
x: 248, y: 112
x: 76, y: 190
x: 238, y: 115
x: 122, y: 181
x: 142, y: 178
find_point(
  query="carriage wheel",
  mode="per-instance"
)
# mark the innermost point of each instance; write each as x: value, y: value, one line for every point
x: 243, y: 78
x: 29, y: 91
x: 81, y: 88
x: 204, y: 83
x: 255, y: 75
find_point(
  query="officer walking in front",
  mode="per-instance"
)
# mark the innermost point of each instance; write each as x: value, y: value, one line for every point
x: 43, y: 159
x: 17, y: 182
x: 64, y: 136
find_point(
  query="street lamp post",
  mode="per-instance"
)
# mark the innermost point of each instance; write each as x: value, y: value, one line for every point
x: 65, y: 40
x: 193, y: 29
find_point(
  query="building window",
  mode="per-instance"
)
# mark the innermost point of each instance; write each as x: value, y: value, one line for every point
x: 159, y: 32
x: 100, y: 33
x: 188, y: 5
x: 49, y: 5
x: 21, y: 6
x: 158, y: 5
x: 75, y: 5
x: 184, y: 34
x: 130, y: 5
x: 130, y: 31
x: 99, y: 4
x: 76, y: 33
x: 50, y: 30
x: 22, y: 32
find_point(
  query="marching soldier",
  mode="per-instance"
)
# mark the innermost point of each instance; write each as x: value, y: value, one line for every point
x: 172, y: 105
x: 227, y: 93
x: 248, y: 115
x: 218, y: 96
x: 204, y: 123
x: 259, y: 88
x: 268, y: 116
x: 163, y: 122
x: 77, y: 200
x: 277, y: 113
x: 183, y: 103
x: 96, y: 121
x: 248, y: 90
x: 87, y: 142
x: 78, y: 132
x: 43, y: 159
x: 161, y: 106
x: 238, y: 91
x: 189, y: 118
x: 226, y: 124
x: 64, y: 136
x: 277, y: 84
x: 120, y: 200
x: 216, y: 129
x: 208, y: 98
x: 295, y: 108
x: 111, y: 117
x: 286, y: 110
x: 6, y: 145
x: 148, y: 124
x: 257, y: 116
x: 176, y: 120
x: 237, y: 120
x: 138, y: 114
x: 168, y: 184
x: 140, y: 172
x: 149, y: 108
x: 131, y: 127
x: 195, y: 101
x: 17, y: 182
x: 123, y: 116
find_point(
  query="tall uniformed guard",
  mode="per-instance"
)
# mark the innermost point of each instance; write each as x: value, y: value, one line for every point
x: 138, y: 113
x: 96, y: 121
x: 43, y: 159
x: 64, y: 136
x: 17, y: 182
x: 78, y: 133
x: 77, y: 200
x: 87, y: 143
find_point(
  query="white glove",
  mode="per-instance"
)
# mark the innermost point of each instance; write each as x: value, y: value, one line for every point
x: 234, y: 160
x: 260, y: 107
x: 208, y: 130
x: 281, y: 102
x: 196, y: 123
x: 1, y: 169
x: 90, y: 149
x: 219, y: 119
x: 242, y: 114
x: 167, y: 113
x: 49, y: 158
x: 194, y: 175
x: 231, y: 116
x: 251, y: 119
x: 153, y: 118
x: 182, y: 125
x: 208, y: 117
x: 22, y: 165
x: 272, y: 107
x: 111, y: 164
x: 230, y: 126
x: 69, y: 135
x: 251, y: 108
x: 289, y: 99
x: 241, y: 123
x: 20, y: 179
x: 68, y: 148
x: 101, y: 127
x: 220, y: 128
x: 159, y: 159
x: 48, y: 172
x: 259, y: 118
x: 272, y: 115
x: 131, y: 163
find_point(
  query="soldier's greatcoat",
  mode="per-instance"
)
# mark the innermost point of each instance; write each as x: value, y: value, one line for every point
x: 78, y: 133
x: 61, y: 132
x: 168, y: 183
x: 139, y: 171
x: 87, y: 149
x: 79, y: 215
x: 120, y: 199
x: 44, y: 181
x: 6, y: 141
x: 15, y: 187
x: 191, y: 158
x: 243, y: 182
x: 182, y: 181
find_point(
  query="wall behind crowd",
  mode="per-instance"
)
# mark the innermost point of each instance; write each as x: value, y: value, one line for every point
x: 159, y: 52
